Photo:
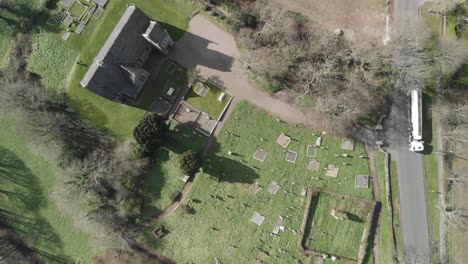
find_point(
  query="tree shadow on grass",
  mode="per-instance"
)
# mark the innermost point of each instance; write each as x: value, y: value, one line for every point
x: 22, y: 201
x: 154, y: 184
x: 372, y: 232
x: 427, y: 123
x: 28, y: 18
x: 310, y: 220
x: 89, y: 112
x: 234, y: 169
x: 182, y: 139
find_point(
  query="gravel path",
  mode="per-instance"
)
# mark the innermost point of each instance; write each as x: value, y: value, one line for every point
x: 214, y: 52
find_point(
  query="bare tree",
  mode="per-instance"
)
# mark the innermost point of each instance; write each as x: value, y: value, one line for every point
x: 457, y: 177
x: 449, y: 56
x: 408, y: 47
x: 192, y: 75
x: 443, y: 6
x: 456, y: 136
x: 453, y: 216
x: 453, y: 114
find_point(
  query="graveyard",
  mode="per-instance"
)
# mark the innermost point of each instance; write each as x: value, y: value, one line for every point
x: 247, y: 204
x: 337, y: 226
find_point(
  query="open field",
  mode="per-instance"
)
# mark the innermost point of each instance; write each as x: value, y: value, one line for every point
x: 210, y: 103
x: 223, y: 203
x: 26, y: 184
x: 116, y: 119
x: 336, y: 237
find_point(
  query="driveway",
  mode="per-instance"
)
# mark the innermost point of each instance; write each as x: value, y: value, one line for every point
x: 214, y: 52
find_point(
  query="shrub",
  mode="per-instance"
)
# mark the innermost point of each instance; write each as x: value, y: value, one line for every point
x: 190, y: 162
x: 188, y: 209
x: 150, y: 133
x: 249, y: 20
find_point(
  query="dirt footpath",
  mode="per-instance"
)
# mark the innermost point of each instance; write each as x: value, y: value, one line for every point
x: 361, y: 20
x: 213, y: 51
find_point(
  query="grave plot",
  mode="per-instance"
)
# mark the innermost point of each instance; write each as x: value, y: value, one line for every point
x: 338, y: 226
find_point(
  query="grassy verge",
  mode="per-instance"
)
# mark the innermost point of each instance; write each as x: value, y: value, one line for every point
x: 27, y: 182
x: 396, y: 209
x: 430, y: 139
x: 430, y: 165
x: 385, y: 232
x: 223, y: 203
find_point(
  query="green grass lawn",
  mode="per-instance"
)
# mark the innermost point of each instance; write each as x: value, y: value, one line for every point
x: 385, y: 235
x: 77, y: 9
x: 114, y: 118
x: 209, y: 103
x: 396, y: 209
x: 10, y: 23
x: 52, y: 59
x: 431, y: 166
x: 224, y: 205
x: 27, y: 183
x: 164, y: 180
x: 333, y: 236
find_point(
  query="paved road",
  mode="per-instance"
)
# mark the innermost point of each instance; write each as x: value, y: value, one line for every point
x: 410, y: 182
x: 410, y: 168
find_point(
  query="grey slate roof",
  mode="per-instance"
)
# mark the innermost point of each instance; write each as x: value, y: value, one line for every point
x: 101, y: 3
x: 155, y: 32
x: 68, y: 3
x: 124, y: 47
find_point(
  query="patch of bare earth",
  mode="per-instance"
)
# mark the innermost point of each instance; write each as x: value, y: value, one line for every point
x: 361, y: 20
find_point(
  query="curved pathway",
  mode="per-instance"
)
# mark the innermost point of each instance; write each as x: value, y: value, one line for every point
x: 213, y: 51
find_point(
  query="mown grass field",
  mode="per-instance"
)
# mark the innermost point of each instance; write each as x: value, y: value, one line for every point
x: 27, y: 182
x: 116, y: 119
x: 333, y: 236
x: 223, y: 203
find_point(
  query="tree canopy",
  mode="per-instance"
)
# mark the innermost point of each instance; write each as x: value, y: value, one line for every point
x: 150, y: 132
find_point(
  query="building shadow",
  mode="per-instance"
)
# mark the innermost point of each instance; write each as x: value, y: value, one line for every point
x: 192, y: 50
